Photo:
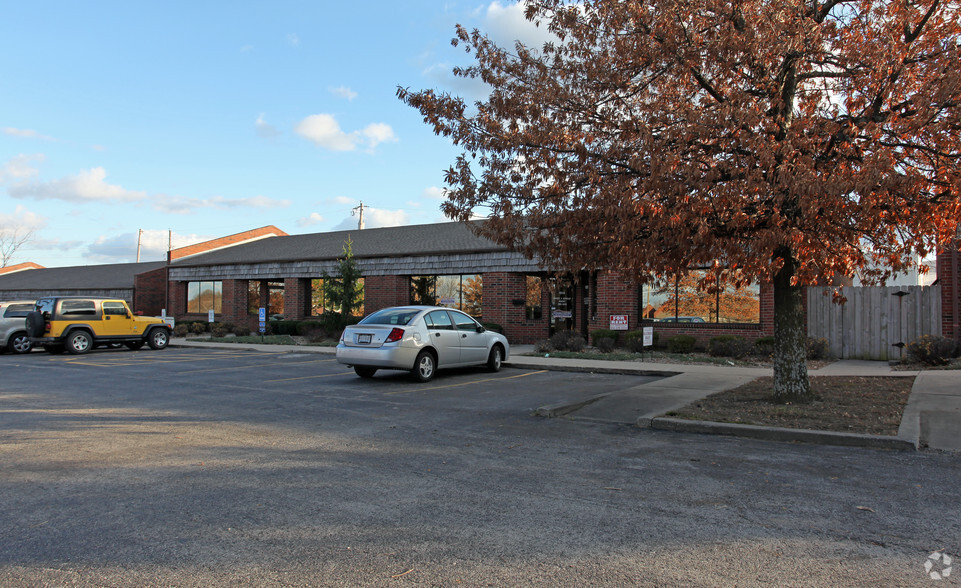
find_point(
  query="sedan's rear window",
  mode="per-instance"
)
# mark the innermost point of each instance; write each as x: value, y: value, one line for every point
x: 391, y: 316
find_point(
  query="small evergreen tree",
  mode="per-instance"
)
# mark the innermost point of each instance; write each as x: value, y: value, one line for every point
x: 345, y: 291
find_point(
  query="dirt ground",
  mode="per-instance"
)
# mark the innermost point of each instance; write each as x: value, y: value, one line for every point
x: 847, y: 404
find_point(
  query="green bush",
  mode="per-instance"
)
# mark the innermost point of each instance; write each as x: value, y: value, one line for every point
x: 198, y: 328
x: 634, y: 340
x: 494, y: 327
x: 285, y: 327
x: 728, y: 346
x: 219, y: 329
x: 568, y: 341
x: 605, y: 344
x: 681, y: 344
x: 604, y: 334
x: 543, y: 346
x: 932, y: 350
x: 241, y: 331
x: 819, y: 349
x: 764, y: 347
x: 181, y: 330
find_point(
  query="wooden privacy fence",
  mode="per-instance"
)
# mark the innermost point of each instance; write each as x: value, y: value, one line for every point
x: 876, y: 321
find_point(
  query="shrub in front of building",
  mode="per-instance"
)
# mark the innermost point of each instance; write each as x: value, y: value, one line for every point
x: 599, y: 334
x: 764, y: 347
x: 932, y: 350
x: 819, y: 349
x: 568, y: 341
x: 734, y: 346
x: 634, y: 341
x: 681, y: 344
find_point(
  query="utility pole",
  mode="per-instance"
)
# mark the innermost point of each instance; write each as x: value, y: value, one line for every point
x: 139, y: 236
x: 360, y: 221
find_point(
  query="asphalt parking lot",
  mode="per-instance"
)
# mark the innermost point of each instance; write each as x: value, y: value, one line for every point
x: 189, y: 467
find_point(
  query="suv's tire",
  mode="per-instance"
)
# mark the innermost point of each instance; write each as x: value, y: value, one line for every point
x: 35, y: 324
x: 158, y: 338
x: 79, y: 342
x: 19, y: 343
x: 425, y: 366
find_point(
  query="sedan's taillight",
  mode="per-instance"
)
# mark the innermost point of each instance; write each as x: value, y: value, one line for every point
x: 395, y: 335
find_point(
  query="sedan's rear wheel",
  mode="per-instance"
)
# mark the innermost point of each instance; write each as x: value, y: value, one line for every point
x: 365, y: 372
x: 424, y: 367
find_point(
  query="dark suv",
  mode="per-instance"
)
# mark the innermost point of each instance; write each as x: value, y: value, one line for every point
x: 78, y: 325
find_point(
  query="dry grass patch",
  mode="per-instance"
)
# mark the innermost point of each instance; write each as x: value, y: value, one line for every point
x: 847, y: 404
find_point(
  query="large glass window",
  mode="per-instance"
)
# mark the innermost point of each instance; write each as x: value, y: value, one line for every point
x: 320, y: 299
x: 533, y: 308
x: 463, y: 292
x: 202, y: 297
x: 678, y: 300
x: 275, y: 299
x: 253, y: 297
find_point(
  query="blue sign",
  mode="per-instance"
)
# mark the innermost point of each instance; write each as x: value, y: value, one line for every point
x: 263, y: 314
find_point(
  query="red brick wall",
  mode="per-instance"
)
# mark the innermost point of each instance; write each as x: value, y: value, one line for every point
x: 149, y: 296
x: 384, y: 291
x: 505, y: 300
x: 614, y: 296
x: 949, y: 277
x: 296, y: 296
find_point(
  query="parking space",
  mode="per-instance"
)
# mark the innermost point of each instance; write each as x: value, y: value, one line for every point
x: 180, y: 378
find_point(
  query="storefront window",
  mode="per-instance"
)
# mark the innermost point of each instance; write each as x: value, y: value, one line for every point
x: 253, y: 297
x: 202, y: 297
x: 533, y: 309
x: 463, y: 292
x: 275, y: 299
x: 678, y: 300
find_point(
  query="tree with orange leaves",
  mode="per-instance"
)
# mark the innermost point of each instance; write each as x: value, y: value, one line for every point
x: 778, y: 141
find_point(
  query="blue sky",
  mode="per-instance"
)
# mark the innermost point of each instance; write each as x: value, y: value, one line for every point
x: 211, y: 118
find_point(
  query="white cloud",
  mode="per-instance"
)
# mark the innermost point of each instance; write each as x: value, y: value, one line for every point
x: 375, y: 218
x: 378, y: 133
x: 344, y: 92
x: 87, y: 186
x: 324, y: 131
x: 26, y: 134
x: 265, y: 129
x: 20, y: 168
x: 434, y: 193
x: 182, y: 205
x: 310, y: 220
x: 21, y: 219
x: 153, y: 246
x: 507, y: 24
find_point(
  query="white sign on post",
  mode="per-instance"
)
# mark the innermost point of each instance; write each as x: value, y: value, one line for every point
x: 648, y: 336
x: 210, y: 316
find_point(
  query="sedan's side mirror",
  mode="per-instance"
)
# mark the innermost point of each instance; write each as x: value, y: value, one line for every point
x: 480, y: 328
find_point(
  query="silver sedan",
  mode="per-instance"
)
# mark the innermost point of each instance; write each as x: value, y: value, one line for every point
x: 421, y: 339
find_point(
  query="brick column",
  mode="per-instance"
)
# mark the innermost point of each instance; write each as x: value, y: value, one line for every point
x: 296, y: 296
x: 384, y: 291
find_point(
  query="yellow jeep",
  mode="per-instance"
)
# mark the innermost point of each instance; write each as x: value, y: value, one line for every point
x: 78, y: 324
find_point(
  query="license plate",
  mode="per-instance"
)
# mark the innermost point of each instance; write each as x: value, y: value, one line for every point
x: 363, y: 339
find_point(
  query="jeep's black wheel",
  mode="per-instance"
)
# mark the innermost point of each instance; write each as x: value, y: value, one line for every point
x: 79, y: 342
x: 158, y: 338
x: 365, y: 372
x: 35, y: 324
x: 134, y: 345
x: 20, y: 343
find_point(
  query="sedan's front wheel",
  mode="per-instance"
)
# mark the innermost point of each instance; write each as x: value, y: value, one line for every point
x: 495, y: 359
x: 424, y: 367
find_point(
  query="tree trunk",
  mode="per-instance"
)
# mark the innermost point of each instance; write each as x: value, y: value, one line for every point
x: 790, y: 339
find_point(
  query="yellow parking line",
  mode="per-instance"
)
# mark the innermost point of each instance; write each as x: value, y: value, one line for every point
x: 306, y: 378
x: 431, y: 389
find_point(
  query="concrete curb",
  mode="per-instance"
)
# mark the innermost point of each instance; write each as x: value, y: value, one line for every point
x: 780, y: 434
x: 593, y: 370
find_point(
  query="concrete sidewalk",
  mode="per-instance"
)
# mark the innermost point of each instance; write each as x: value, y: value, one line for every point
x: 932, y: 417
